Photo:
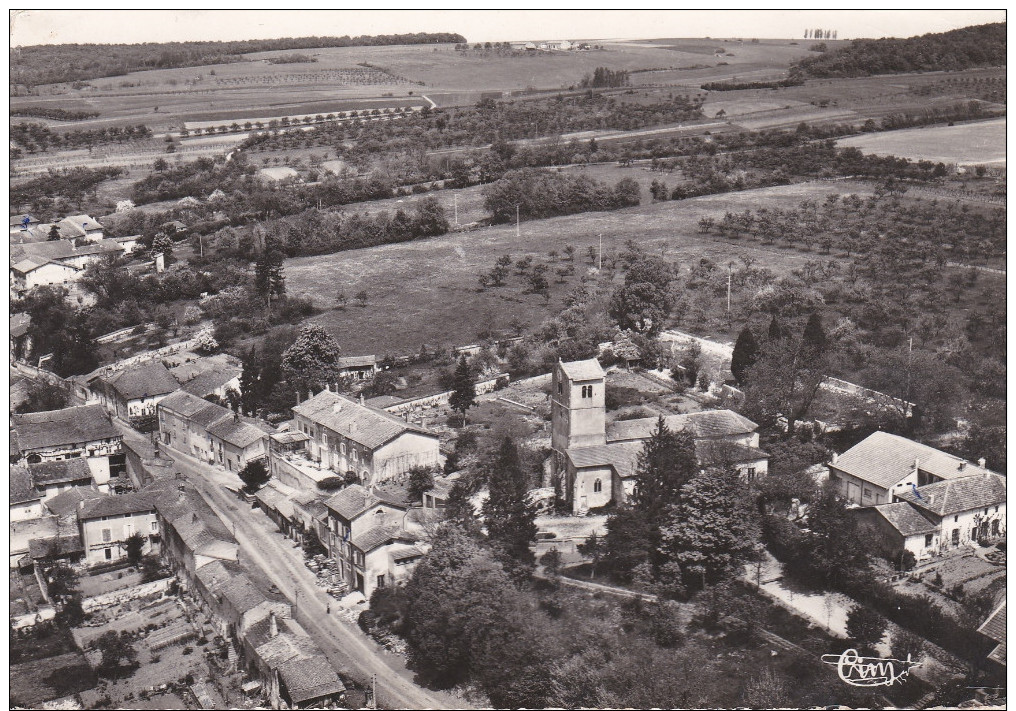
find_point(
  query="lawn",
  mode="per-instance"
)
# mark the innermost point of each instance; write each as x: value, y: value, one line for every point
x: 426, y: 291
x: 977, y: 143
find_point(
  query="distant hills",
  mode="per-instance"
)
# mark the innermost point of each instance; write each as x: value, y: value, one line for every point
x: 965, y: 48
x: 51, y: 64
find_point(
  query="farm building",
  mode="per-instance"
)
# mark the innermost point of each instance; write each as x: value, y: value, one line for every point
x: 107, y: 522
x: 132, y: 393
x: 84, y: 431
x: 26, y: 501
x: 358, y: 367
x: 278, y: 174
x: 52, y: 478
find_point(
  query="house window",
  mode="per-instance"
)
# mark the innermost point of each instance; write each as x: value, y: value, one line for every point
x: 109, y: 554
x: 155, y: 525
x: 751, y: 474
x: 996, y: 509
x: 985, y: 510
x: 928, y: 538
x: 587, y: 391
x: 380, y: 581
x: 867, y: 493
x: 956, y: 537
x: 597, y: 486
x: 956, y: 519
x: 107, y: 535
x: 560, y: 387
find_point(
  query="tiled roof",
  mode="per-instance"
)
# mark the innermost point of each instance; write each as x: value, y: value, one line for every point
x: 209, y: 381
x: 62, y: 545
x: 906, y: 519
x: 60, y: 472
x: 621, y: 456
x: 378, y: 536
x: 140, y: 381
x: 209, y: 414
x: 994, y: 628
x: 241, y: 593
x: 701, y: 425
x: 18, y: 220
x: 67, y: 502
x: 310, y: 678
x: 20, y: 324
x: 310, y: 502
x: 402, y: 553
x: 583, y: 369
x: 357, y: 361
x: 192, y: 518
x: 290, y: 437
x: 366, y: 425
x: 275, y: 499
x: 57, y: 250
x: 21, y: 489
x: 72, y: 425
x: 236, y: 431
x: 353, y: 501
x: 137, y: 502
x: 720, y: 453
x: 884, y: 459
x: 185, y: 404
x: 957, y: 495
x: 78, y: 225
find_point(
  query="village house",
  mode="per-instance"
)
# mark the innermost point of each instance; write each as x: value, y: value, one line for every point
x: 353, y: 439
x: 882, y: 466
x: 994, y: 629
x: 68, y: 503
x: 358, y: 367
x: 965, y: 510
x: 217, y: 375
x: 234, y: 602
x: 58, y: 262
x: 53, y: 478
x: 597, y: 462
x: 22, y: 533
x: 192, y: 534
x: 21, y: 223
x: 294, y: 673
x: 213, y: 433
x: 366, y: 535
x: 26, y: 501
x: 85, y: 431
x: 106, y: 523
x: 133, y: 392
x: 80, y: 226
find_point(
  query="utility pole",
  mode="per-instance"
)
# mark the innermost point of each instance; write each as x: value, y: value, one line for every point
x: 201, y: 244
x: 729, y: 272
x: 599, y: 255
x: 455, y: 198
x: 517, y: 220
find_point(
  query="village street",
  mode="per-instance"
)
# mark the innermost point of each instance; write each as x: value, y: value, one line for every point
x: 281, y: 562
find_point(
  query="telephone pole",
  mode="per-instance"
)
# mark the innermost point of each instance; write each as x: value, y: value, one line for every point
x: 455, y: 198
x: 517, y: 220
x: 599, y: 255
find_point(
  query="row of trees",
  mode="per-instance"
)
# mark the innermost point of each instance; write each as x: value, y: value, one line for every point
x: 37, y: 137
x: 52, y: 112
x: 534, y: 194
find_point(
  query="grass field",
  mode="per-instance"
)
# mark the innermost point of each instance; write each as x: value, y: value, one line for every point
x: 425, y: 291
x: 966, y: 144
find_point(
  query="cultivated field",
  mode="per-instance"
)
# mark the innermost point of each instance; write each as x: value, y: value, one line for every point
x: 425, y: 291
x: 966, y: 144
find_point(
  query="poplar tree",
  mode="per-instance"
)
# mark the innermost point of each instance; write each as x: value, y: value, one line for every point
x: 509, y: 516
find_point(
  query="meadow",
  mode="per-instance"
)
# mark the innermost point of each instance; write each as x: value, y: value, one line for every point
x: 979, y: 143
x: 426, y: 291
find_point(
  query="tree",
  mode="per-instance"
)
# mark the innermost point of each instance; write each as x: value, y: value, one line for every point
x: 421, y: 480
x: 919, y: 377
x: 814, y: 338
x: 767, y: 690
x: 254, y: 476
x: 54, y: 234
x: 537, y: 278
x: 836, y: 549
x: 116, y: 650
x: 135, y: 547
x: 776, y: 329
x: 458, y: 506
x: 163, y: 244
x: 341, y: 299
x: 865, y: 627
x: 362, y: 297
x: 691, y: 361
x: 745, y: 355
x: 784, y: 381
x: 592, y: 549
x: 666, y: 463
x: 57, y: 328
x: 713, y: 530
x: 313, y: 360
x: 463, y: 394
x: 269, y: 278
x: 509, y: 515
x: 644, y: 302
x: 551, y: 562
x: 627, y: 543
x: 43, y: 396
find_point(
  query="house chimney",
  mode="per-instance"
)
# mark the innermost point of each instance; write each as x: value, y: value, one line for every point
x: 963, y: 466
x: 336, y: 406
x: 273, y: 625
x: 310, y: 393
x: 328, y: 388
x: 361, y: 398
x: 236, y: 417
x: 981, y: 462
x: 194, y: 517
x: 835, y: 457
x: 917, y: 464
x: 297, y: 397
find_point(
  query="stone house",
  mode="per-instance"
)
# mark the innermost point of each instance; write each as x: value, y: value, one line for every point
x: 107, y: 522
x: 133, y: 393
x: 965, y: 510
x: 192, y: 534
x: 358, y: 367
x: 25, y: 499
x: 237, y: 441
x: 53, y: 478
x: 85, y: 431
x: 880, y: 467
x: 349, y: 437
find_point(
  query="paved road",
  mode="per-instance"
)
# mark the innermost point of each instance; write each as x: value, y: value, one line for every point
x: 343, y: 643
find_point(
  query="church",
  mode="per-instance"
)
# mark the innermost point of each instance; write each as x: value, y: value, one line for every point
x: 596, y: 462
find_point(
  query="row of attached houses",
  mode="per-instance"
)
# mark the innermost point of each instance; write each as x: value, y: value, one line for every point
x: 84, y: 432
x: 293, y: 671
x: 921, y: 499
x: 55, y: 263
x: 210, y: 432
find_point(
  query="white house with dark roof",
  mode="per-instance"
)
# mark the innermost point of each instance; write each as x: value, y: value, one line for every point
x: 56, y: 477
x: 107, y: 522
x: 26, y: 501
x: 85, y: 431
x: 597, y: 461
x: 21, y: 223
x: 84, y: 226
x: 213, y: 433
x: 902, y: 527
x: 57, y: 262
x: 133, y: 393
x: 358, y: 367
x: 347, y: 436
x: 966, y: 509
x: 882, y: 466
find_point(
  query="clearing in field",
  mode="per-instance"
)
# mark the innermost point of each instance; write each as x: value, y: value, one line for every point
x: 967, y: 144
